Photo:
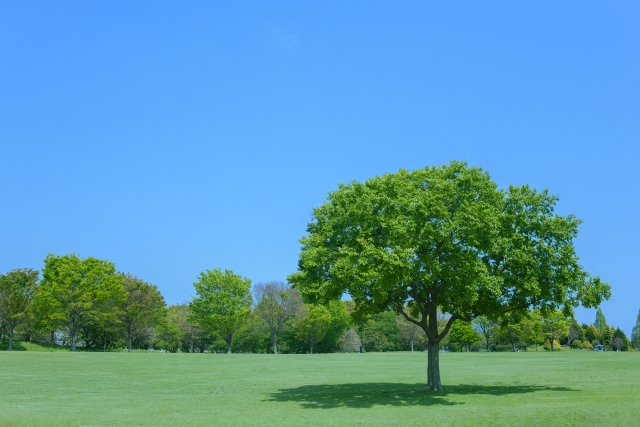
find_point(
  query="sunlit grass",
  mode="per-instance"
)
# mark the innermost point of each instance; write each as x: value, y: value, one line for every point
x: 119, y: 389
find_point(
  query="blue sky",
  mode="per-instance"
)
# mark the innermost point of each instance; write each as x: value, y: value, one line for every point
x: 171, y: 138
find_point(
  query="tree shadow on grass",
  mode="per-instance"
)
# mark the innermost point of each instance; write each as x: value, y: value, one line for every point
x: 366, y: 395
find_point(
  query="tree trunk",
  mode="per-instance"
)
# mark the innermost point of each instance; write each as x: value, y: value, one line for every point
x: 274, y: 338
x: 311, y: 349
x: 104, y: 349
x: 467, y: 347
x: 73, y: 341
x: 412, y: 345
x: 130, y: 343
x: 10, y: 338
x: 192, y: 341
x: 229, y: 347
x: 53, y: 337
x: 433, y: 367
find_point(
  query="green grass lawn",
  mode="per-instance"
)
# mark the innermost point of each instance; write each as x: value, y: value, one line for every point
x: 120, y: 389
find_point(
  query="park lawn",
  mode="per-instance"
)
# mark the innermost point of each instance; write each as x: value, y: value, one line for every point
x: 153, y: 389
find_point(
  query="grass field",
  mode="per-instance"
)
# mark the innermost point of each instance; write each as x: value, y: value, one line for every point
x: 120, y: 389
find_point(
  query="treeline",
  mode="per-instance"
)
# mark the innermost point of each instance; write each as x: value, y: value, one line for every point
x: 88, y: 303
x: 551, y: 331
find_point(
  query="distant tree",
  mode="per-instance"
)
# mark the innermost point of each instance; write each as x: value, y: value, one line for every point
x: 340, y: 321
x: 73, y: 291
x: 383, y: 332
x: 617, y: 343
x: 17, y: 289
x: 463, y: 333
x: 409, y: 331
x: 276, y: 303
x: 592, y: 334
x: 600, y: 323
x: 532, y: 329
x: 359, y: 321
x: 167, y: 334
x: 142, y: 308
x: 253, y: 336
x: 511, y: 329
x: 607, y: 336
x: 312, y: 327
x: 635, y: 333
x: 222, y: 304
x: 486, y: 327
x: 190, y: 332
x: 554, y: 325
x: 624, y: 343
x: 350, y: 342
x: 575, y: 332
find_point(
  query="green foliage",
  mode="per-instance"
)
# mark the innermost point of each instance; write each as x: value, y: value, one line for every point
x: 620, y: 341
x: 167, y: 336
x: 600, y: 323
x: 276, y: 303
x: 443, y: 238
x: 486, y: 327
x: 142, y: 309
x: 586, y: 345
x: 382, y: 332
x: 463, y: 334
x: 340, y: 321
x: 17, y: 290
x: 555, y: 326
x: 592, y: 334
x: 556, y: 345
x: 635, y: 334
x: 607, y: 336
x: 253, y: 336
x: 77, y: 293
x: 312, y: 326
x: 532, y: 329
x: 222, y: 304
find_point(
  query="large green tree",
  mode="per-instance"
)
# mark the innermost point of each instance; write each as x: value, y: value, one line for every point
x: 222, y: 303
x: 75, y: 292
x: 17, y: 289
x: 443, y: 238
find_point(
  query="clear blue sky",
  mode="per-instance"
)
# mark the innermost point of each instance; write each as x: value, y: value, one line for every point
x: 171, y: 138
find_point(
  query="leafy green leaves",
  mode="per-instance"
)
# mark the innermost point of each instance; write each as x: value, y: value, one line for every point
x: 443, y: 237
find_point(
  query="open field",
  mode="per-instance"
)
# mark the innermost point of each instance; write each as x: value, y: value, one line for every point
x: 119, y: 389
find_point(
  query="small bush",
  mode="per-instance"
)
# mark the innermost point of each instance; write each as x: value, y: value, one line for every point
x: 587, y: 345
x: 556, y: 345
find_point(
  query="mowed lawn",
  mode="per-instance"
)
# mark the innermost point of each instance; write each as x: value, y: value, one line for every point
x: 152, y: 389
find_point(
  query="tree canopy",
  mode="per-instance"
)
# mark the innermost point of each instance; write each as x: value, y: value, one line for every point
x: 142, y: 308
x: 17, y: 289
x: 75, y: 292
x: 443, y: 238
x: 222, y: 303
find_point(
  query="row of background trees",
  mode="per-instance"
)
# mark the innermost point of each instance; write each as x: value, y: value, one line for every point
x: 88, y: 303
